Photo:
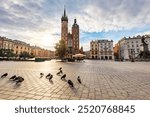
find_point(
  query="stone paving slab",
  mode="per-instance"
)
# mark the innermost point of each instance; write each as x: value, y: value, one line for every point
x: 100, y: 80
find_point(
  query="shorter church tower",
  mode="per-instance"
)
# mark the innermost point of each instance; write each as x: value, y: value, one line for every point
x: 75, y: 36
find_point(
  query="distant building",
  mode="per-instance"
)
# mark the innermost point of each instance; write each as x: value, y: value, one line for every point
x: 6, y: 43
x: 20, y: 46
x: 106, y: 49
x: 38, y: 52
x: 130, y: 47
x: 87, y: 54
x: 116, y: 51
x: 101, y: 49
x: 94, y: 49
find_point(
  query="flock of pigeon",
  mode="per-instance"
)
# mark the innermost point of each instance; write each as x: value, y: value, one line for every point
x: 19, y: 79
x: 63, y: 76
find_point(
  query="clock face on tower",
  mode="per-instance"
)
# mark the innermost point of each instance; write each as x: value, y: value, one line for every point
x: 146, y: 41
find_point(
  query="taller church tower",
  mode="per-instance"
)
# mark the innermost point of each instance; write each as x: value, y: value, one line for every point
x: 64, y: 27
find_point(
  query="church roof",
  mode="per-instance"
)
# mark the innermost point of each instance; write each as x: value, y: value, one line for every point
x: 75, y: 23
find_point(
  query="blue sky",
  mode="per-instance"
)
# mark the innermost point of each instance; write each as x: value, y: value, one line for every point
x: 38, y: 21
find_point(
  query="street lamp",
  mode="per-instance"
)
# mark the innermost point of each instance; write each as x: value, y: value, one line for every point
x: 141, y: 48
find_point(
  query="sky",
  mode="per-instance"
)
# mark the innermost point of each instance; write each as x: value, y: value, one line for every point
x: 38, y: 22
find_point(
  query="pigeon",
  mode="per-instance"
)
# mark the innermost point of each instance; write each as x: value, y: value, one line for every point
x: 48, y: 75
x: 79, y: 80
x: 41, y: 75
x: 20, y: 79
x: 61, y: 71
x: 16, y: 78
x: 4, y: 75
x: 58, y: 73
x: 64, y: 76
x: 60, y: 68
x: 70, y: 83
x: 51, y: 77
x: 13, y: 77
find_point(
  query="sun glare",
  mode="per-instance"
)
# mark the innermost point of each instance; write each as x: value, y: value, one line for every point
x: 47, y: 39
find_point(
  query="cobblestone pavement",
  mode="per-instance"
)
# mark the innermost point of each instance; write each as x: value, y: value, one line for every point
x: 100, y: 80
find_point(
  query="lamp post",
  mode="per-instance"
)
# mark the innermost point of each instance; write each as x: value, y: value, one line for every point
x: 141, y: 51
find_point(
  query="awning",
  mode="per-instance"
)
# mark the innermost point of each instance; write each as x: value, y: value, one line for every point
x: 79, y: 55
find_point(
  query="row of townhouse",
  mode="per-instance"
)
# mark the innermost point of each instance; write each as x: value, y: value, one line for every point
x: 40, y: 52
x: 101, y: 49
x: 19, y: 46
x: 130, y: 47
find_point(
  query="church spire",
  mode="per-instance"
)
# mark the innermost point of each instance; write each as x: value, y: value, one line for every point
x: 64, y: 11
x: 75, y: 21
x: 64, y: 17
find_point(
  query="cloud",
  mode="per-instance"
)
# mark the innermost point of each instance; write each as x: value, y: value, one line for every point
x: 38, y: 22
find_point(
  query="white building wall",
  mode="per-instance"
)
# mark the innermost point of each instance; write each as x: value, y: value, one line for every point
x: 131, y: 47
x: 105, y: 47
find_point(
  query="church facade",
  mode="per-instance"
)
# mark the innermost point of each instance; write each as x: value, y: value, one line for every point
x: 71, y: 38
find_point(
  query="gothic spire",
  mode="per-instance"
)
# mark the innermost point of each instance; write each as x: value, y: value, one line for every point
x: 64, y: 17
x: 64, y: 11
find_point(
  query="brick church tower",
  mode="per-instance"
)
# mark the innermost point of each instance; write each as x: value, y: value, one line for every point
x: 75, y: 36
x: 64, y: 27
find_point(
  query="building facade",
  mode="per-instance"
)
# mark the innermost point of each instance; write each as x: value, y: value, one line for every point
x: 6, y: 43
x: 116, y: 51
x: 71, y: 38
x: 106, y: 49
x: 130, y: 47
x: 94, y: 49
x: 38, y: 52
x: 20, y: 47
x: 101, y: 49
